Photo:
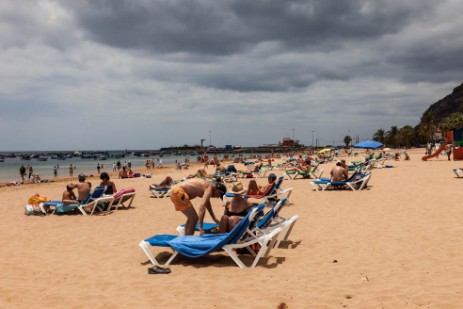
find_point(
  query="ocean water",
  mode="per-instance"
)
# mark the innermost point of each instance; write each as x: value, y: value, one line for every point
x: 9, y: 169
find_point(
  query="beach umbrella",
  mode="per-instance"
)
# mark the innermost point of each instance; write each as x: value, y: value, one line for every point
x: 369, y: 145
x: 324, y: 150
x: 387, y: 149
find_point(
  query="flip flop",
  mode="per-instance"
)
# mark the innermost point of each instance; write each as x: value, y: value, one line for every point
x: 158, y: 270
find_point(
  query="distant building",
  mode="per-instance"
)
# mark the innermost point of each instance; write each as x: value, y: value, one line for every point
x: 288, y: 142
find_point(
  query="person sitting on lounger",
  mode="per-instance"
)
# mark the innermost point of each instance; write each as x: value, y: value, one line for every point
x: 339, y: 173
x: 254, y: 189
x: 83, y: 188
x: 235, y: 209
x: 181, y: 195
x: 68, y: 196
x: 110, y: 186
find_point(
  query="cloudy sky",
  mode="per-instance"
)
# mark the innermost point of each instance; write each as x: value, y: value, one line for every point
x: 147, y: 74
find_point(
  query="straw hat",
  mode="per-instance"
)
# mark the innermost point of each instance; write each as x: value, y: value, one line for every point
x: 238, y: 188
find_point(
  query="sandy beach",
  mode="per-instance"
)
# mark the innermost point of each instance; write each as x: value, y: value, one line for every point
x: 397, y: 244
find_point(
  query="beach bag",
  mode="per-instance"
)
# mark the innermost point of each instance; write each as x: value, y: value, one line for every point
x: 37, y: 199
x: 33, y: 205
x: 33, y: 210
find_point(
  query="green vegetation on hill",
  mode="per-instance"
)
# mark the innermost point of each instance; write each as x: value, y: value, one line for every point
x: 444, y: 115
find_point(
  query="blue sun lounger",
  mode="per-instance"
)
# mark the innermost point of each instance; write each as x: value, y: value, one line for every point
x: 356, y: 182
x: 199, y: 246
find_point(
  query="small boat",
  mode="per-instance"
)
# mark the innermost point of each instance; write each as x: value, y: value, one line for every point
x: 42, y: 158
x: 58, y: 157
x: 87, y: 156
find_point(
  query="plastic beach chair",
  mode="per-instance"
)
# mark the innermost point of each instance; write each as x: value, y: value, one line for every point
x: 199, y: 246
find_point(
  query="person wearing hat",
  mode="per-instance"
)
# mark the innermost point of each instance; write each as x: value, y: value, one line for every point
x: 235, y: 209
x: 83, y: 188
x: 182, y: 194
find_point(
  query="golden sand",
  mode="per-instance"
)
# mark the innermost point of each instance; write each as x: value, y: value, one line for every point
x: 398, y: 244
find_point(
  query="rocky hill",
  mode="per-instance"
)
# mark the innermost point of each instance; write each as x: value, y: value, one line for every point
x: 452, y: 103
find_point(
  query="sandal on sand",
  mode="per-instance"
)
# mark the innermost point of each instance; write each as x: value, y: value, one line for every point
x: 158, y: 270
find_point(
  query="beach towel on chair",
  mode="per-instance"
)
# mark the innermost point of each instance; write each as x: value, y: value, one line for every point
x: 119, y: 194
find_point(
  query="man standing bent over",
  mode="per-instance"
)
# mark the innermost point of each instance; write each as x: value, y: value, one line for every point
x: 182, y: 194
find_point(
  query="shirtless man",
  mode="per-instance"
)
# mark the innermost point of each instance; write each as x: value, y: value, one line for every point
x: 339, y: 172
x: 124, y: 173
x: 68, y: 196
x: 83, y: 188
x: 182, y: 194
x: 301, y: 168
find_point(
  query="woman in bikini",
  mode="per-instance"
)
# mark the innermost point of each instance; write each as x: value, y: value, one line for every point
x: 235, y: 209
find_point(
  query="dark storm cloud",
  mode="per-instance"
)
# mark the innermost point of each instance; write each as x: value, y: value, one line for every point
x: 430, y: 61
x: 229, y: 27
x: 219, y: 32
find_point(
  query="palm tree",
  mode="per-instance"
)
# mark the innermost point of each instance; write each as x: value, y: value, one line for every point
x: 405, y: 136
x: 380, y: 136
x: 391, y: 135
x: 428, y: 126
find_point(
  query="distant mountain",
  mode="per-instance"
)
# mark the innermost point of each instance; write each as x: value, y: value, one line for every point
x: 452, y: 103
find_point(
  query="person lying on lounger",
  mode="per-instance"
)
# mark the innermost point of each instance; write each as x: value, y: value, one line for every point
x: 167, y: 183
x: 254, y: 189
x: 301, y: 168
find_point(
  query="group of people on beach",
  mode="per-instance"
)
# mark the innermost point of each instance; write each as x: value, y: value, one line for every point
x: 84, y: 188
x: 31, y: 176
x: 182, y: 193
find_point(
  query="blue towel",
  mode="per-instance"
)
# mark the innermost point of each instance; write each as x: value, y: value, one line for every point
x: 160, y: 240
x: 63, y: 208
x: 60, y: 207
x: 197, y: 246
x: 207, y: 226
